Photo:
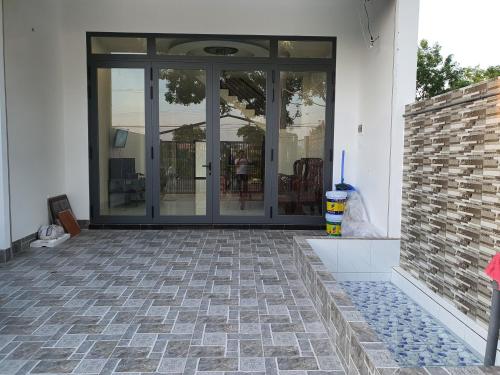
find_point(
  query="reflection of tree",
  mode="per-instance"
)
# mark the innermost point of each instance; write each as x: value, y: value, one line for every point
x: 251, y: 134
x: 184, y: 86
x: 188, y: 134
x: 300, y: 89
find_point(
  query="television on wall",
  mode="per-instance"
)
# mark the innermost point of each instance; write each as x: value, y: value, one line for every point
x: 120, y: 138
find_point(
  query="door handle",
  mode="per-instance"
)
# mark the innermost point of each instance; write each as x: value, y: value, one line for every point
x: 209, y: 167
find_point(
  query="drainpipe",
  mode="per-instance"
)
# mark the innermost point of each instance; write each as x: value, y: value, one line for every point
x: 491, y: 344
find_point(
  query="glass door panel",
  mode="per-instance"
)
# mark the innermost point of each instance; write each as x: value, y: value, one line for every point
x: 301, y: 140
x: 183, y: 142
x: 242, y: 141
x: 122, y: 141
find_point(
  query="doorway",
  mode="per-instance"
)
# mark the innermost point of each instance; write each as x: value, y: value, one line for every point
x: 218, y: 138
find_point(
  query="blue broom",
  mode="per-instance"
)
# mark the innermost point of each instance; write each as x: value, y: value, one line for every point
x: 342, y: 186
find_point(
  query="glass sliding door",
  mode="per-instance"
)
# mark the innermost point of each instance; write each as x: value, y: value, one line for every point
x: 121, y: 141
x: 183, y: 164
x: 190, y: 129
x: 242, y: 132
x: 301, y: 142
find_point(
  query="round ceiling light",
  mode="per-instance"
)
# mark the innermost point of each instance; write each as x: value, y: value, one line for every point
x: 221, y: 50
x: 218, y: 48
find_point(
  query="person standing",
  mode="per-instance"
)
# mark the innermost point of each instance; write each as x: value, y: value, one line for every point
x: 242, y: 165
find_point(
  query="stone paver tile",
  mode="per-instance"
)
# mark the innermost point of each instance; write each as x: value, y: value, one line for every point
x: 55, y: 366
x: 70, y: 341
x: 11, y: 366
x: 177, y: 301
x: 137, y: 365
x: 101, y: 350
x: 177, y: 349
x: 252, y: 364
x: 251, y: 348
x: 143, y: 339
x: 214, y: 339
x: 53, y: 353
x: 330, y: 363
x: 198, y: 351
x: 25, y: 350
x: 172, y: 365
x: 90, y: 366
x: 218, y: 364
x: 130, y: 352
x: 297, y: 363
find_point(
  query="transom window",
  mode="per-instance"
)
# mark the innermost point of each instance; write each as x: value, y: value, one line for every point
x: 208, y: 46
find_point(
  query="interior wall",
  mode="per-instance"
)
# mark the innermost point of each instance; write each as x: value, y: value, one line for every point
x: 34, y: 110
x: 135, y: 148
x: 57, y: 49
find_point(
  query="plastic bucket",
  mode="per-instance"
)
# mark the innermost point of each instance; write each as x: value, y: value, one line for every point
x: 335, y: 202
x: 334, y: 225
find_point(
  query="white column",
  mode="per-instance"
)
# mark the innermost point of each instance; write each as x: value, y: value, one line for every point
x: 404, y: 84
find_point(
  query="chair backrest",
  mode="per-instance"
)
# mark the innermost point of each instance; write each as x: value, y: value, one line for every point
x: 313, y: 173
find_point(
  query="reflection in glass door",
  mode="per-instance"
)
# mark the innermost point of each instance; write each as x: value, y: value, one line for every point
x: 242, y: 141
x: 183, y: 166
x: 301, y: 142
x: 121, y: 141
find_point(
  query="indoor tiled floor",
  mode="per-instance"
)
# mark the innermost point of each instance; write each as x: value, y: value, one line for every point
x: 180, y: 301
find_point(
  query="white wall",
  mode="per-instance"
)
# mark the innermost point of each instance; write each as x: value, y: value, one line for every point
x: 363, y: 88
x: 34, y: 110
x: 373, y: 144
x: 387, y: 85
x: 296, y: 17
x: 4, y: 168
x: 405, y: 77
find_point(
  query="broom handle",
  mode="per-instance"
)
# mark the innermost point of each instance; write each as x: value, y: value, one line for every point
x: 342, y: 168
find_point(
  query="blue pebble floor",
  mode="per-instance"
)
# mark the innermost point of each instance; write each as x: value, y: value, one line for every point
x: 414, y: 337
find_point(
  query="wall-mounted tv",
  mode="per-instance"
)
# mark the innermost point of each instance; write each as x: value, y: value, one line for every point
x: 120, y: 138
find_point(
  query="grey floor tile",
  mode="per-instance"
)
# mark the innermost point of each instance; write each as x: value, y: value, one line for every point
x: 218, y: 364
x: 172, y: 365
x: 297, y: 363
x: 252, y: 364
x: 90, y: 366
x: 55, y: 366
x: 177, y: 301
x: 11, y: 366
x: 137, y: 365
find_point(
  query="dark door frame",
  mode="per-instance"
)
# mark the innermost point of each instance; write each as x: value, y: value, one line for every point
x: 328, y: 142
x: 181, y: 219
x: 151, y: 63
x: 95, y: 214
x: 242, y: 219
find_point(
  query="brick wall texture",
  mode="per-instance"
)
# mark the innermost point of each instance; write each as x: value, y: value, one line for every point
x: 451, y: 194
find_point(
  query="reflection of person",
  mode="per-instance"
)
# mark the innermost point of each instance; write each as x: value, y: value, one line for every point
x: 241, y: 163
x: 171, y: 179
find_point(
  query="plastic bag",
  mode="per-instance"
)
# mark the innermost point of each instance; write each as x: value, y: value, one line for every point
x: 355, y: 222
x: 50, y: 232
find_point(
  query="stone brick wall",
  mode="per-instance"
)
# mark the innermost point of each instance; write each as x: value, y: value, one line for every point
x: 451, y: 194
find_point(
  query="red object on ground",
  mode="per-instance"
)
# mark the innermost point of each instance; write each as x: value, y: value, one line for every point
x: 493, y: 269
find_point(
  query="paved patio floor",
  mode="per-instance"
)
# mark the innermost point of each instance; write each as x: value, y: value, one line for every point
x: 180, y: 301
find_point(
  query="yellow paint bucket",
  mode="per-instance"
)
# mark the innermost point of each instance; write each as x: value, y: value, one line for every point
x: 334, y: 225
x: 335, y: 202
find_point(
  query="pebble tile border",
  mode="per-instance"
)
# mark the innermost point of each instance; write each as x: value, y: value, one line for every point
x: 357, y: 344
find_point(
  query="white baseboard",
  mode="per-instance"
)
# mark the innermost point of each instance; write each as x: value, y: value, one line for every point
x: 461, y: 325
